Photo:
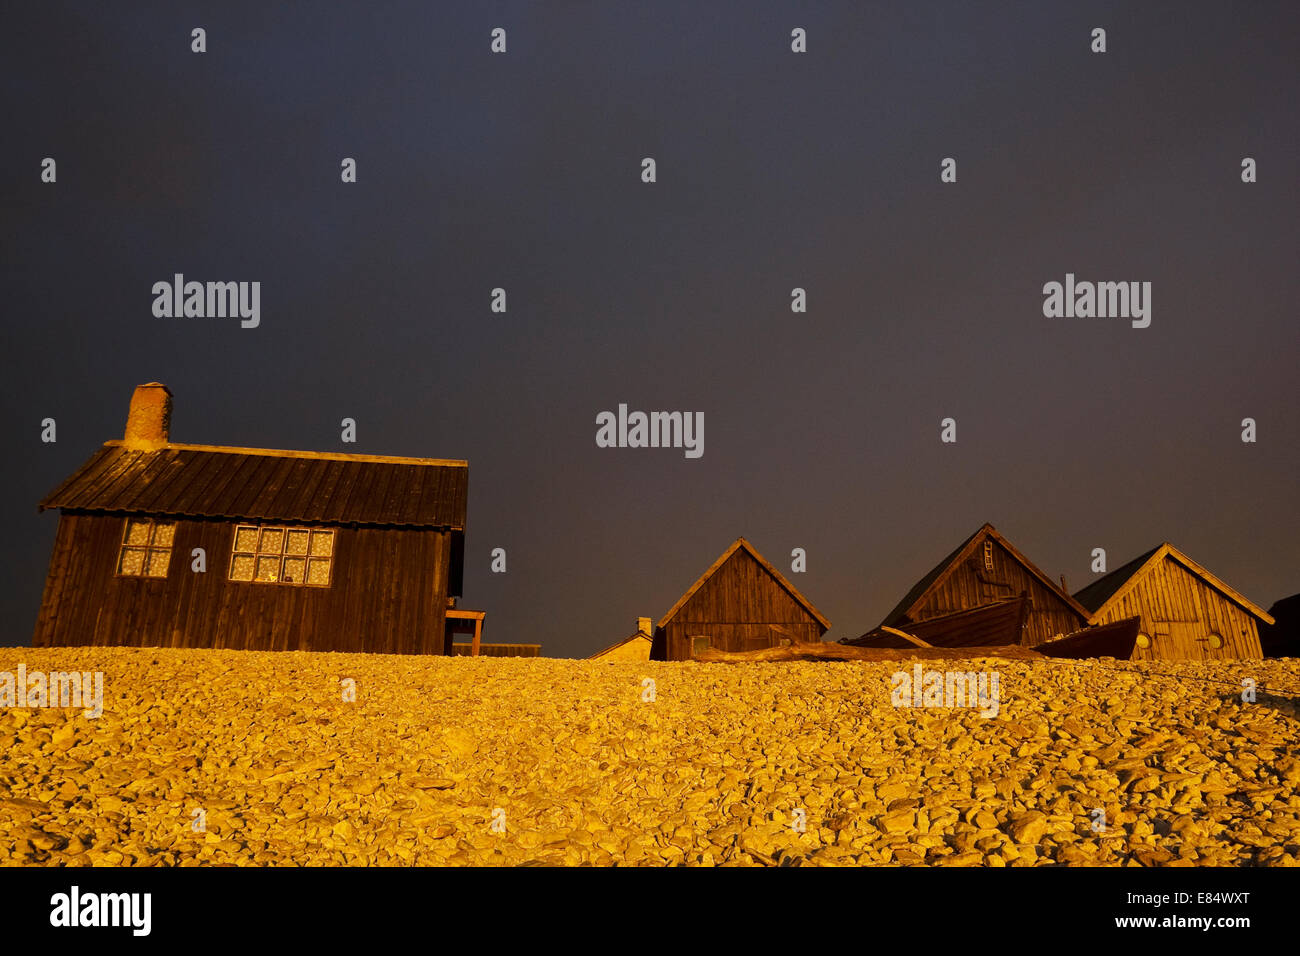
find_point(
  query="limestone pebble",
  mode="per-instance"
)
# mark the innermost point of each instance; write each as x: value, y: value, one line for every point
x: 488, y: 761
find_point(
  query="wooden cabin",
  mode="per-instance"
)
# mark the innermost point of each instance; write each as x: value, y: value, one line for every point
x: 1185, y: 611
x: 986, y: 569
x: 172, y: 545
x: 635, y: 647
x: 741, y: 603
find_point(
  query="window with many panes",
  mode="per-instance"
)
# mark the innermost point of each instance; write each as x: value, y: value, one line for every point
x: 146, y: 548
x: 272, y: 554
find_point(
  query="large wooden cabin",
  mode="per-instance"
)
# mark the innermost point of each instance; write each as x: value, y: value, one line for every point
x: 987, y: 569
x: 1186, y: 612
x: 171, y: 545
x: 741, y: 603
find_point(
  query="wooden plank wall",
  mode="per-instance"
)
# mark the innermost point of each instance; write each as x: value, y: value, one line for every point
x: 734, y: 609
x: 388, y: 594
x: 970, y: 586
x: 1179, y: 611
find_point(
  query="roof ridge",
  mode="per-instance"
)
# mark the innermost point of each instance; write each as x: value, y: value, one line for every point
x: 940, y: 572
x: 294, y: 453
x: 233, y: 484
x: 1166, y: 549
x: 738, y: 544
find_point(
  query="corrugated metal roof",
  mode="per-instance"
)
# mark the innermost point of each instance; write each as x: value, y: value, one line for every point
x: 215, y: 482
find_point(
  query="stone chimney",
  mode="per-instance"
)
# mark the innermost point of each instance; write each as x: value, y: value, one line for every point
x: 645, y: 626
x: 150, y: 418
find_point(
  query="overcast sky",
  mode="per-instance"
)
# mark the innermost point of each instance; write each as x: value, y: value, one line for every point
x: 775, y: 170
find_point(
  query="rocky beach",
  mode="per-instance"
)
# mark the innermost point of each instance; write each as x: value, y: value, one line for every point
x: 204, y: 757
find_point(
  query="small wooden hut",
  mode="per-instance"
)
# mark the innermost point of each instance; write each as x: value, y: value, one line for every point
x: 1185, y: 611
x: 986, y: 569
x: 741, y: 603
x: 171, y: 545
x: 634, y: 647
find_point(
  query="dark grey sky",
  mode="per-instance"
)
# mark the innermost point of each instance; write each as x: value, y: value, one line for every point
x: 775, y: 170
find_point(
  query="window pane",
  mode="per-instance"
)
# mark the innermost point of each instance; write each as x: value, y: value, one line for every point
x: 163, y: 534
x: 322, y: 543
x: 246, y: 539
x: 132, y: 561
x: 318, y: 574
x: 295, y: 570
x: 296, y: 543
x: 241, y: 569
x: 268, y: 569
x: 158, y: 560
x: 137, y: 532
x: 272, y: 540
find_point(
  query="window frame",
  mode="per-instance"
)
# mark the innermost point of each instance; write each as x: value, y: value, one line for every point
x: 149, y: 548
x: 283, y: 555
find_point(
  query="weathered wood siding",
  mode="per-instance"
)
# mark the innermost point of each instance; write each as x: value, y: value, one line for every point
x: 739, y: 608
x: 1179, y: 611
x: 388, y: 593
x: 971, y: 585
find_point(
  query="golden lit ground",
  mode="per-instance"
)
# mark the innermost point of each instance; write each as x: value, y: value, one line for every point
x: 719, y: 768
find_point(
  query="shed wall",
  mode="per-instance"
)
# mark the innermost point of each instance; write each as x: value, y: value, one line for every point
x: 741, y: 607
x: 1179, y: 611
x: 388, y: 594
x: 971, y: 585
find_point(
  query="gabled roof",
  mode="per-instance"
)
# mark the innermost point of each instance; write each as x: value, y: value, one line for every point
x: 1105, y: 591
x: 1100, y: 591
x: 941, y: 571
x: 627, y: 640
x: 268, y: 484
x: 738, y: 544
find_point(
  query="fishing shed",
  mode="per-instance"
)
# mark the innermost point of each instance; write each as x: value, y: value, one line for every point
x: 987, y: 569
x: 1186, y: 612
x: 741, y: 603
x: 635, y: 647
x: 173, y: 545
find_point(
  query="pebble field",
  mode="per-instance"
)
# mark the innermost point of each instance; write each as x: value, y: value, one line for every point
x: 260, y: 758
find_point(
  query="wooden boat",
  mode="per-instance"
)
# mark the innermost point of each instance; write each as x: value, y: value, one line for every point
x: 1115, y: 640
x: 991, y: 625
x: 831, y: 651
